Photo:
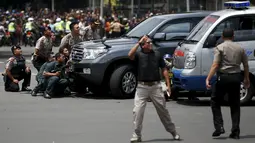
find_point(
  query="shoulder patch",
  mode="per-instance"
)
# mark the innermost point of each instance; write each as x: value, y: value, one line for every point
x: 248, y: 52
x: 11, y: 59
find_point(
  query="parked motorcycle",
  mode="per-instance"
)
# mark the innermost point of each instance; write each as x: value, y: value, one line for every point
x: 57, y: 38
x: 8, y: 40
x: 29, y: 39
x: 2, y: 39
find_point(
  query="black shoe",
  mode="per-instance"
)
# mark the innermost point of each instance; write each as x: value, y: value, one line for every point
x: 234, y: 136
x: 217, y: 133
x: 47, y: 96
x: 34, y: 93
x: 25, y: 89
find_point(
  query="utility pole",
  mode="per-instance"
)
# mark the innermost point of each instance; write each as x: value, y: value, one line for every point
x: 52, y: 5
x: 132, y: 8
x: 93, y: 5
x: 101, y: 8
x: 188, y: 6
x: 167, y: 6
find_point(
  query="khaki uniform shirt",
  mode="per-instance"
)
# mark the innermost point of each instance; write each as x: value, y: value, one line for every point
x: 89, y: 34
x: 44, y: 46
x: 69, y: 40
x: 229, y: 56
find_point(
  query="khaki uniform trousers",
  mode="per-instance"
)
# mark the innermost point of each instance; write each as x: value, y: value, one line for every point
x: 155, y: 93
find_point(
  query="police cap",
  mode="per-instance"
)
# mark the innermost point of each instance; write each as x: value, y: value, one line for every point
x: 14, y: 48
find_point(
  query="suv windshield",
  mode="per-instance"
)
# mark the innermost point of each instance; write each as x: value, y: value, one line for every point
x: 145, y: 27
x: 199, y: 31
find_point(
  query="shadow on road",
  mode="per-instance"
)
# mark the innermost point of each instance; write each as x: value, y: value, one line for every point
x: 160, y: 140
x: 241, y: 137
x: 207, y: 103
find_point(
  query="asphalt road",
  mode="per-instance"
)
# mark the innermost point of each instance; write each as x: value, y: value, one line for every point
x: 94, y: 119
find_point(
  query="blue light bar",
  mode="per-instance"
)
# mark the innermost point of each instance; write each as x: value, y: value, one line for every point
x: 237, y: 4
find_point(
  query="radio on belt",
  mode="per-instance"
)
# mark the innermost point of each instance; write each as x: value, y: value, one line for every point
x: 237, y: 4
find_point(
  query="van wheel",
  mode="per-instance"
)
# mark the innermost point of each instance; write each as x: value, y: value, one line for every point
x: 123, y: 82
x: 246, y: 94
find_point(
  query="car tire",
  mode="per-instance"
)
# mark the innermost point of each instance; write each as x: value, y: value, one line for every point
x: 246, y: 94
x: 123, y: 82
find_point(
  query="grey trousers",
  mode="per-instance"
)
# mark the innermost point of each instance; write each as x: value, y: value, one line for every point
x: 155, y: 93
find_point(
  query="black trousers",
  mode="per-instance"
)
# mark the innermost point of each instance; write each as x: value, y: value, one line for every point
x: 13, y: 87
x: 226, y: 84
x: 38, y: 62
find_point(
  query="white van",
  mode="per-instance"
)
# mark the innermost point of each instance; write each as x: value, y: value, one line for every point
x: 194, y: 56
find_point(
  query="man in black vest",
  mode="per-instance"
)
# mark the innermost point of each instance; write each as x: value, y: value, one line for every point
x: 149, y: 61
x: 17, y: 70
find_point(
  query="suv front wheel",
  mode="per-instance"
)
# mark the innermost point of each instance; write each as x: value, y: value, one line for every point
x: 123, y: 82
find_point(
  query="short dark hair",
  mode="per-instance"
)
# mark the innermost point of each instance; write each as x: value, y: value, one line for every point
x: 57, y: 55
x: 61, y: 50
x: 72, y: 25
x: 228, y: 33
x: 46, y: 28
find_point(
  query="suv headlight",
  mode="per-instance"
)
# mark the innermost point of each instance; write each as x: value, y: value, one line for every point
x: 91, y: 54
x: 190, y: 61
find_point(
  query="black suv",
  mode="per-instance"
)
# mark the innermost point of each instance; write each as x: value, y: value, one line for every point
x: 104, y: 66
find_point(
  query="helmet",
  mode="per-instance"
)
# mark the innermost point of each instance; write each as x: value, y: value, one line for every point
x: 30, y: 19
x: 167, y: 56
x: 13, y: 19
x: 58, y: 19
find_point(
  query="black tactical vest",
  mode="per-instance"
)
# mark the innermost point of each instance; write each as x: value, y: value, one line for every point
x: 148, y: 66
x: 19, y: 65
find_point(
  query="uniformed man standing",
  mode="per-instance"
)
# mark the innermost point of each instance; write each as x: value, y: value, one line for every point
x: 91, y: 32
x: 55, y: 77
x: 227, y: 59
x: 43, y: 49
x: 149, y: 61
x: 72, y: 38
x: 17, y: 70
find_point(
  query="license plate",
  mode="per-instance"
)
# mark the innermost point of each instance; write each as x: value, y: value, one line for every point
x: 87, y: 70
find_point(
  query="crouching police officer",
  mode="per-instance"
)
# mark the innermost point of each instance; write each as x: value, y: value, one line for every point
x: 227, y: 59
x: 17, y: 70
x: 55, y: 77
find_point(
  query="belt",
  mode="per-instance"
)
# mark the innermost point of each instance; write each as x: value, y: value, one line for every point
x: 149, y: 83
x: 220, y: 73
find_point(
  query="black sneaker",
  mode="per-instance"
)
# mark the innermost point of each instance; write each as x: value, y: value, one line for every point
x: 234, y: 136
x: 25, y: 89
x: 217, y: 133
x: 47, y: 96
x: 34, y: 93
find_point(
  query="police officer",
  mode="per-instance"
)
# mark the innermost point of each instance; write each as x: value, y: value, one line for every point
x: 91, y: 31
x: 227, y: 59
x: 72, y: 38
x: 55, y: 77
x: 149, y: 62
x: 43, y: 49
x: 16, y: 70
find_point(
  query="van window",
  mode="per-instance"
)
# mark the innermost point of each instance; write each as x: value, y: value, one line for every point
x: 243, y: 26
x: 246, y: 30
x: 199, y: 31
x: 184, y: 27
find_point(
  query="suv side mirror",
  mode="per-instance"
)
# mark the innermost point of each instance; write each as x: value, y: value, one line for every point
x: 159, y: 37
x: 211, y: 41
